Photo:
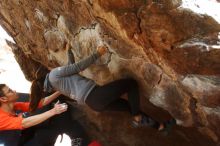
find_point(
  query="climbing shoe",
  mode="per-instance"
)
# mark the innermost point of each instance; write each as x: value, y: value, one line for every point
x: 168, y: 125
x: 145, y: 121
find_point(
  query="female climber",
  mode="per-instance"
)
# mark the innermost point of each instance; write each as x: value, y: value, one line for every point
x: 69, y: 82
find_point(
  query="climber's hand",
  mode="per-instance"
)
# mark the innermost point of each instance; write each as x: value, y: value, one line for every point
x: 102, y: 50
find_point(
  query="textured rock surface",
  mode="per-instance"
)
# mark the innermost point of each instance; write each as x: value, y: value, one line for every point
x: 169, y: 50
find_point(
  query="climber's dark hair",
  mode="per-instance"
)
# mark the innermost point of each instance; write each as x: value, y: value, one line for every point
x: 37, y: 88
x: 1, y: 87
x: 41, y: 72
x: 1, y: 91
x: 37, y: 93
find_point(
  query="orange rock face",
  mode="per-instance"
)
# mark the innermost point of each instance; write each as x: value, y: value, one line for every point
x: 172, y: 52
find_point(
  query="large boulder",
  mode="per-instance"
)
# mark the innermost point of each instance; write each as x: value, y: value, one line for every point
x: 172, y: 52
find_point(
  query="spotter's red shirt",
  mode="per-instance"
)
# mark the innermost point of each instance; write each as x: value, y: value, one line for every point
x: 10, y: 121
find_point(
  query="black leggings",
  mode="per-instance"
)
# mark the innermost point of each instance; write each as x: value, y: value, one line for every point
x: 107, y: 97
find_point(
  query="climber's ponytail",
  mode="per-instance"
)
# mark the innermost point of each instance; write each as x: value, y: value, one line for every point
x: 37, y: 93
